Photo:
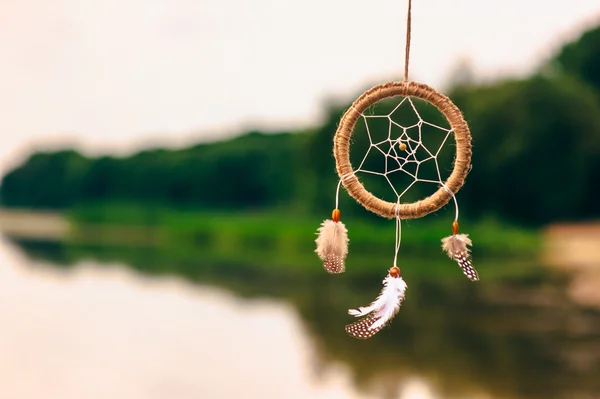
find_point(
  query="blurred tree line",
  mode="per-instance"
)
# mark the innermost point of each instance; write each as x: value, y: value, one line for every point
x: 536, y: 157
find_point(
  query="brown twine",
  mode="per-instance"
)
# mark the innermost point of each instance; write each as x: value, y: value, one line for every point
x: 427, y: 205
x: 407, y: 48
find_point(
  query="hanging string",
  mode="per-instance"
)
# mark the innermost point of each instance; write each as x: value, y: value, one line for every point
x: 398, y: 232
x: 407, y: 49
x: 337, y: 191
x: 455, y: 201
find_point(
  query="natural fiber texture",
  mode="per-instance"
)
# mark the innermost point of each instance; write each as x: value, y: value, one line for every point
x: 462, y: 161
x: 407, y: 47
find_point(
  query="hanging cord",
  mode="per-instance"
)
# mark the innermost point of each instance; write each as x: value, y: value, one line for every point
x: 398, y: 232
x: 337, y: 191
x: 455, y: 202
x: 406, y: 62
x: 407, y: 49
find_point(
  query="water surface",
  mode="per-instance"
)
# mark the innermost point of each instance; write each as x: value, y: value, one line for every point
x: 93, y: 323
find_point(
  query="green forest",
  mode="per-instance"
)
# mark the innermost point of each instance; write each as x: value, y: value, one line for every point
x: 536, y: 143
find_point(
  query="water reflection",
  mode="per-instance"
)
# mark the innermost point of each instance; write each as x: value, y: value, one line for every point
x: 105, y: 331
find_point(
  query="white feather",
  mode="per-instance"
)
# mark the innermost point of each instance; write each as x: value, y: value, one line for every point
x: 332, y: 245
x: 387, y: 304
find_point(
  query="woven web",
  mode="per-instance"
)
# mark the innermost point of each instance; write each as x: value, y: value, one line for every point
x: 403, y: 149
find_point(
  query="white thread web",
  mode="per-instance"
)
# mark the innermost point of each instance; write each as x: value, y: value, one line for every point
x: 400, y: 152
x: 404, y: 152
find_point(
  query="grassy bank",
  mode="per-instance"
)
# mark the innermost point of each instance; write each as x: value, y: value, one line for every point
x: 285, y: 239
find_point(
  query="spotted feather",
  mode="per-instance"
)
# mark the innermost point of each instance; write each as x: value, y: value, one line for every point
x: 466, y: 266
x: 361, y: 329
x: 334, y: 264
x: 332, y: 246
x: 456, y: 247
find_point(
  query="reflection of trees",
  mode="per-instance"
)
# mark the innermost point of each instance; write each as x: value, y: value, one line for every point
x: 514, y: 338
x: 518, y: 338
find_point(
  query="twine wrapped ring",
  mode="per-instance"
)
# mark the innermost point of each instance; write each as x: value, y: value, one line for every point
x: 462, y: 161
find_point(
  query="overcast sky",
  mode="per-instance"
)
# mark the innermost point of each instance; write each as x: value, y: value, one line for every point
x: 114, y: 75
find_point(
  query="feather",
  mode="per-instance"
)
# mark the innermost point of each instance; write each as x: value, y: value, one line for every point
x: 381, y: 311
x: 332, y: 246
x: 362, y: 329
x: 456, y: 248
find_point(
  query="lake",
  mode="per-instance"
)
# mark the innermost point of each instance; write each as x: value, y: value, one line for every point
x: 94, y: 322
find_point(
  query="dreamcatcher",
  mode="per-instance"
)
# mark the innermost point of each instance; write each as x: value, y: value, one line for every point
x: 403, y: 148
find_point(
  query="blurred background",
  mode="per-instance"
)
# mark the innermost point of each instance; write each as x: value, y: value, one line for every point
x: 165, y: 166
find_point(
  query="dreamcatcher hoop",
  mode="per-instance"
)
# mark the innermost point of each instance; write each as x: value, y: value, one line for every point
x: 332, y: 241
x: 462, y: 161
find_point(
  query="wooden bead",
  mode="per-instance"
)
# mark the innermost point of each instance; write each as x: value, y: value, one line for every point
x: 395, y: 272
x: 455, y: 227
x: 335, y: 215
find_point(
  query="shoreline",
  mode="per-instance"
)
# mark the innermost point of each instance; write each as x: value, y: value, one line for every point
x: 562, y: 245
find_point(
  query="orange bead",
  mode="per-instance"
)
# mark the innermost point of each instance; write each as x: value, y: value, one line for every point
x: 402, y: 146
x: 455, y: 227
x: 395, y: 272
x: 335, y: 215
